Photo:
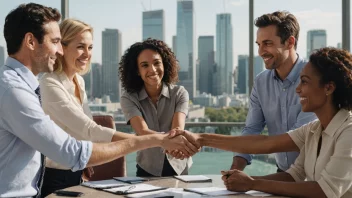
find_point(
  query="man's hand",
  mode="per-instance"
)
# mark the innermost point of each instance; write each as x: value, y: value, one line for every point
x: 239, y: 163
x: 179, y: 143
x: 236, y: 180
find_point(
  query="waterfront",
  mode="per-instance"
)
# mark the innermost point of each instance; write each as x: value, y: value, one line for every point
x: 211, y: 163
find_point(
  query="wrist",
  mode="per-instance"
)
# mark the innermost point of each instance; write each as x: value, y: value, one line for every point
x: 254, y: 183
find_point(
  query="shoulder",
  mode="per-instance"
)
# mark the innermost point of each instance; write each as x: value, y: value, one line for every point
x: 177, y: 89
x: 264, y: 75
x: 10, y: 79
x: 49, y: 78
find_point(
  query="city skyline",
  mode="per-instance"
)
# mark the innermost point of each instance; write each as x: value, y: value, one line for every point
x: 323, y: 14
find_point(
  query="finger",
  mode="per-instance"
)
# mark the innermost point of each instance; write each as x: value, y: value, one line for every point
x: 192, y: 148
x: 172, y: 134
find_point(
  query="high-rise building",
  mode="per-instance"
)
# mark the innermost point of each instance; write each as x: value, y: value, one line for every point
x: 2, y: 56
x: 111, y: 55
x: 174, y: 44
x: 224, y: 51
x: 154, y: 25
x: 258, y: 65
x: 97, y: 84
x: 205, y: 64
x: 185, y: 42
x: 88, y: 82
x: 315, y: 39
x: 242, y: 83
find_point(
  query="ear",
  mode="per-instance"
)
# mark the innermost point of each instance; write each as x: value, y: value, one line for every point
x: 330, y: 88
x: 30, y: 41
x: 291, y: 42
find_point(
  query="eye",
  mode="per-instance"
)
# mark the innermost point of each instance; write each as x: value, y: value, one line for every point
x: 90, y: 48
x: 303, y: 82
x: 80, y: 47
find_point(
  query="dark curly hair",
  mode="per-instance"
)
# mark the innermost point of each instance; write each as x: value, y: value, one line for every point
x: 286, y: 23
x: 128, y: 69
x: 335, y: 65
x: 26, y: 18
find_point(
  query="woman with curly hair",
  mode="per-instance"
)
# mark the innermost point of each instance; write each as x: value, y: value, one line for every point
x: 324, y: 165
x: 152, y: 103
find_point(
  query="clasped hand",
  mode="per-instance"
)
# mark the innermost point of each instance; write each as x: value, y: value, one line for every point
x: 236, y: 180
x: 182, y: 144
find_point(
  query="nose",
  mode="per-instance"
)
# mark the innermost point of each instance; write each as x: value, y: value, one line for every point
x: 60, y: 50
x: 153, y: 68
x: 298, y: 88
x: 260, y: 50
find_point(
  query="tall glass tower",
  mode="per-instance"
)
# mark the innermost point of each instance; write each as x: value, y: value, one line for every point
x: 153, y: 25
x: 224, y: 51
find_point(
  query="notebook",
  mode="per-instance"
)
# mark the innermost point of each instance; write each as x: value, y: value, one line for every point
x: 131, y: 189
x: 193, y: 178
x: 131, y: 180
x: 110, y: 183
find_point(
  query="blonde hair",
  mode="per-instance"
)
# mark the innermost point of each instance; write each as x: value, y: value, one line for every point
x: 69, y: 29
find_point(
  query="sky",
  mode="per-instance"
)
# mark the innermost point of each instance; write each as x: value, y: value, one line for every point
x: 126, y: 15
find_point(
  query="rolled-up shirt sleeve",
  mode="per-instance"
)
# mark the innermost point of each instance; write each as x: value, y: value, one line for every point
x: 182, y: 101
x: 335, y: 178
x: 129, y: 108
x: 57, y: 104
x: 27, y: 120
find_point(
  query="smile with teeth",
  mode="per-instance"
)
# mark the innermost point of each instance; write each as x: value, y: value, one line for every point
x: 302, y: 98
x: 266, y: 58
x: 82, y: 61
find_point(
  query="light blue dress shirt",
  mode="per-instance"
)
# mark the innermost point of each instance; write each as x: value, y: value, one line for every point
x: 25, y: 130
x: 276, y: 104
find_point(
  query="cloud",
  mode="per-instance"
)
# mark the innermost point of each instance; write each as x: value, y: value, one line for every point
x: 237, y: 3
x: 316, y: 17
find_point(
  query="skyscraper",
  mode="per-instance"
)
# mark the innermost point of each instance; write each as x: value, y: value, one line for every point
x: 111, y: 55
x: 224, y: 49
x: 242, y: 74
x: 174, y: 44
x: 315, y: 39
x: 88, y: 82
x: 205, y: 63
x: 97, y: 84
x: 258, y: 65
x: 185, y: 42
x: 153, y: 25
x: 2, y: 56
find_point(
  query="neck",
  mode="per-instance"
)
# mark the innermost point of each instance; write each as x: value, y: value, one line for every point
x: 326, y: 114
x: 26, y: 61
x: 153, y: 91
x: 69, y: 72
x: 287, y: 65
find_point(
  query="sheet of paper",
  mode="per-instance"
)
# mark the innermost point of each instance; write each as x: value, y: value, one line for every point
x: 212, y: 191
x: 104, y: 184
x: 255, y: 193
x: 170, y: 192
x: 135, y: 188
x: 193, y: 178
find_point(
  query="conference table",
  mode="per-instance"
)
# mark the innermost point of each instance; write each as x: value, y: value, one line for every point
x: 168, y: 182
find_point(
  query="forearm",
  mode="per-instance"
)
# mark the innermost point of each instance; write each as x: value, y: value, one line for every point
x: 146, y: 132
x: 121, y: 136
x: 239, y: 163
x: 243, y: 144
x: 106, y: 152
x: 292, y: 189
x: 251, y: 144
x: 283, y: 176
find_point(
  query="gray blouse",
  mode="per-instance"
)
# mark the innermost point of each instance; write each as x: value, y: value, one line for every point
x: 173, y: 98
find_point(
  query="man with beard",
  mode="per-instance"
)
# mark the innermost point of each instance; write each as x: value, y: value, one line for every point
x: 273, y: 100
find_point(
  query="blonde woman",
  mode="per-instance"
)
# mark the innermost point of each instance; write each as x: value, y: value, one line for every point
x: 64, y: 99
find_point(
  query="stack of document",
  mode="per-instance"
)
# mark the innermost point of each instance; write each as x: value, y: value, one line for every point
x: 110, y: 183
x: 193, y: 178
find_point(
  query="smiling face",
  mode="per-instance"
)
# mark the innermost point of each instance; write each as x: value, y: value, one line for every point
x: 270, y: 48
x: 78, y: 52
x: 313, y: 95
x: 46, y: 52
x: 150, y: 67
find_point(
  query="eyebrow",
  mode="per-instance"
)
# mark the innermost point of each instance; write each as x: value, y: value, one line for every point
x: 302, y: 76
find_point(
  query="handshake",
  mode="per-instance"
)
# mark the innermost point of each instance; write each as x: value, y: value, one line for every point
x: 181, y: 143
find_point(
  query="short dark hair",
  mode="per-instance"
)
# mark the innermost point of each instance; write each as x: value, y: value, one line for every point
x: 27, y: 18
x: 286, y: 23
x: 335, y: 65
x: 128, y: 69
